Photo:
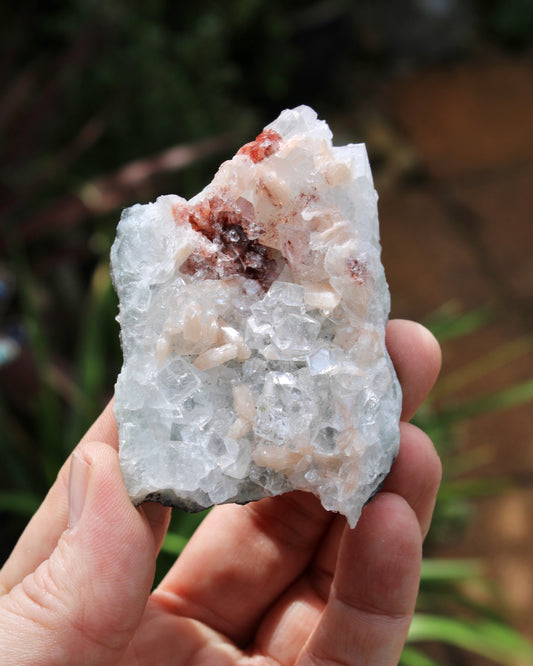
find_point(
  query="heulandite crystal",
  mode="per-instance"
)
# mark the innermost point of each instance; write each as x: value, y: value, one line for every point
x: 253, y: 330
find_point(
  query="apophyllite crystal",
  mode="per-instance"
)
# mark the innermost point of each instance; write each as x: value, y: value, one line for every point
x: 253, y: 329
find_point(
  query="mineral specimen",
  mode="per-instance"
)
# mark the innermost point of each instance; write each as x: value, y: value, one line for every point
x: 252, y: 325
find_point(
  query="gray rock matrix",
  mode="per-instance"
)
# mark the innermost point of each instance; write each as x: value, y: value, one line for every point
x: 253, y: 330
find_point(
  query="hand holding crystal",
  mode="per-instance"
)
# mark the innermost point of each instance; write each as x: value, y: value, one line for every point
x: 279, y: 581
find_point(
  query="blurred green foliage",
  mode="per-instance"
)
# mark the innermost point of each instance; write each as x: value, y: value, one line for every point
x: 512, y: 21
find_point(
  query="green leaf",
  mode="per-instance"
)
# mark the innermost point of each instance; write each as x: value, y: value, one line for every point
x: 92, y: 363
x: 447, y: 324
x: 174, y: 543
x: 412, y: 657
x: 46, y: 404
x: 471, y: 488
x: 444, y: 570
x: 486, y: 638
x: 20, y: 503
x: 509, y: 397
x: 479, y: 368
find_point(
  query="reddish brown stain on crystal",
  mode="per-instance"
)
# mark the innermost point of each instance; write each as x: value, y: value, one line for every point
x: 235, y: 253
x: 264, y: 145
x: 179, y: 213
x: 357, y: 269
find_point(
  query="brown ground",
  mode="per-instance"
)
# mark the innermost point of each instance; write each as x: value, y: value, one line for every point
x: 456, y: 212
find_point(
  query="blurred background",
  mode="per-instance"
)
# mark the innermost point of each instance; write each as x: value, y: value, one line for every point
x: 103, y: 104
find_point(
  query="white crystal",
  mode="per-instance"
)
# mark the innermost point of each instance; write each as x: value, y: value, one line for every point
x: 253, y: 329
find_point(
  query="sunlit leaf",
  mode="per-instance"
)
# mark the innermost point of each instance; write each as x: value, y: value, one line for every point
x: 447, y: 324
x: 413, y: 657
x: 504, y: 399
x: 489, y: 639
x: 480, y: 367
x: 439, y: 570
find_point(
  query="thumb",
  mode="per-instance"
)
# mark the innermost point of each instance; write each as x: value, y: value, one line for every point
x: 83, y: 604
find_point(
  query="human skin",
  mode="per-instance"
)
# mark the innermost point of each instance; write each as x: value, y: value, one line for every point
x: 276, y: 582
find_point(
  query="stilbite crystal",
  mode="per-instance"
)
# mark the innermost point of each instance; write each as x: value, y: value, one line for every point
x: 253, y: 330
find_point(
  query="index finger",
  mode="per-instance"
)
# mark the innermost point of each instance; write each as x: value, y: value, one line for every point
x: 417, y: 359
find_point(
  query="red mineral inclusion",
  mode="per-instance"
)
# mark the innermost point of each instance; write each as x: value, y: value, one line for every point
x: 225, y: 223
x: 357, y: 270
x: 264, y: 145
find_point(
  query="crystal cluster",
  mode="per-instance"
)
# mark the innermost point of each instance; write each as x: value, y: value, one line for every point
x: 253, y: 330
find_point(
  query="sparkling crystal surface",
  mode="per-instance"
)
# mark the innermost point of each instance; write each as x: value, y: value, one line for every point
x: 253, y: 330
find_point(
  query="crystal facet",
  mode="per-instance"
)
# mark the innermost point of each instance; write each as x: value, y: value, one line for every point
x: 253, y: 330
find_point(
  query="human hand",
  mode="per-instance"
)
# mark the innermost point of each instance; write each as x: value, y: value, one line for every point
x: 276, y: 582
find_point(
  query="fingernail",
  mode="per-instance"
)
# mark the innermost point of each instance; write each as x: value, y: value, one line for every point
x: 77, y: 489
